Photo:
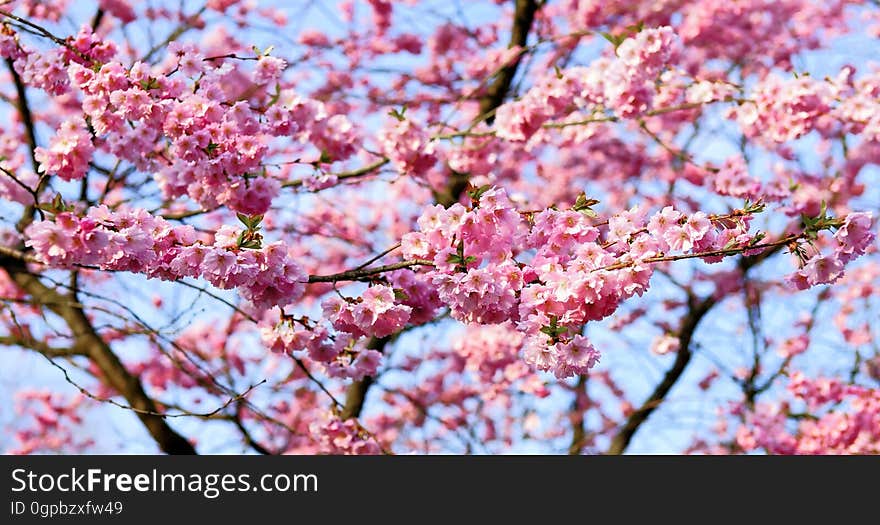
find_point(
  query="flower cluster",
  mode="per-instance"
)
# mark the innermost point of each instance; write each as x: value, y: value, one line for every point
x: 553, y: 94
x: 672, y: 231
x: 268, y: 69
x: 783, y: 110
x: 565, y: 359
x: 50, y: 10
x: 417, y: 292
x: 121, y: 9
x: 375, y: 313
x: 572, y: 277
x: 459, y: 241
x: 408, y: 146
x: 44, y: 70
x: 339, y: 354
x: 136, y: 241
x: 629, y: 81
x: 854, y: 428
x: 733, y: 179
x: 853, y: 238
x: 69, y: 152
x: 54, y: 424
x: 88, y: 48
x: 624, y: 84
x: 337, y: 436
x: 217, y: 146
x: 756, y: 33
x: 492, y: 352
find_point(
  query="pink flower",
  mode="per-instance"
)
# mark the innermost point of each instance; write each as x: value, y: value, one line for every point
x: 697, y: 226
x: 785, y: 110
x: 820, y: 269
x: 575, y: 357
x: 408, y: 146
x: 678, y: 239
x: 69, y: 152
x: 377, y: 314
x: 268, y: 68
x: 121, y: 9
x: 854, y: 237
x: 664, y: 224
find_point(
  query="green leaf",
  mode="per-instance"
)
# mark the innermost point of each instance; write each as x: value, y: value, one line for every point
x: 584, y: 205
x: 398, y: 114
x: 757, y: 239
x: 589, y: 213
x: 615, y: 40
x: 476, y: 193
x: 275, y: 96
x: 325, y: 157
x: 149, y: 83
x: 58, y: 203
x: 636, y: 28
x: 554, y: 331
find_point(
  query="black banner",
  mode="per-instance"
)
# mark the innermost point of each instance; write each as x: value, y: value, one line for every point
x: 238, y: 489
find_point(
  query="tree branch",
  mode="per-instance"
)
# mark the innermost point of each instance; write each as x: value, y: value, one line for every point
x: 365, y: 170
x: 38, y: 346
x: 356, y: 393
x: 522, y: 23
x: 523, y: 17
x: 579, y: 433
x: 356, y: 275
x: 696, y: 311
x: 88, y: 342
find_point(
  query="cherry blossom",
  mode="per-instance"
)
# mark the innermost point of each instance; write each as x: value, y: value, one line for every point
x: 393, y: 227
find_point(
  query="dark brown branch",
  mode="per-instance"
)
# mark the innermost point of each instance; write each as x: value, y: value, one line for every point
x: 697, y: 309
x: 356, y: 393
x: 523, y: 17
x: 39, y: 346
x: 42, y: 31
x: 89, y: 343
x: 248, y: 438
x: 97, y: 19
x: 519, y: 35
x: 579, y: 433
x: 366, y: 170
x: 27, y: 119
x: 24, y: 111
x: 356, y: 275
